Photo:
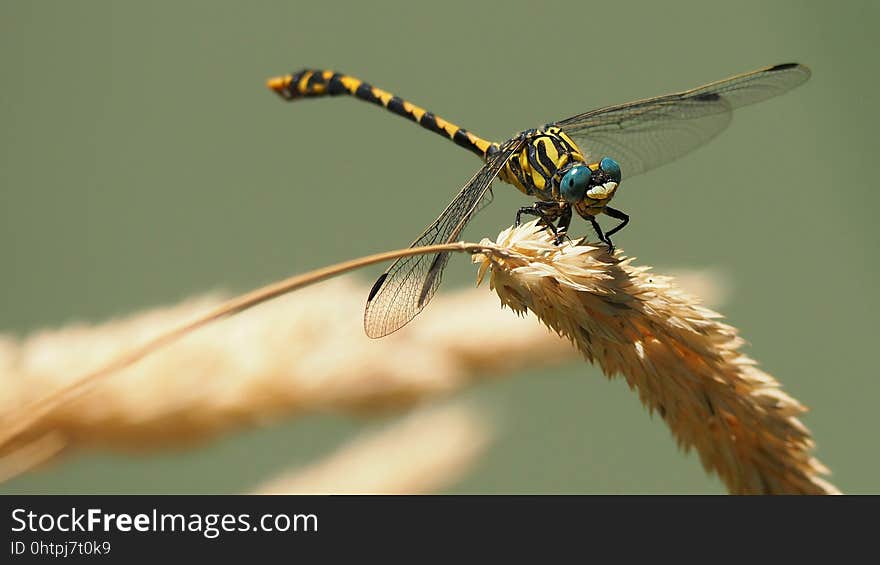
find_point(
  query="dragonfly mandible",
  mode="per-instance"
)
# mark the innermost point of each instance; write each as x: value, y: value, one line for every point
x: 575, y: 164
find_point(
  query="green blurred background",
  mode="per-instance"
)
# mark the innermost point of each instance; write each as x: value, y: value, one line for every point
x: 144, y: 161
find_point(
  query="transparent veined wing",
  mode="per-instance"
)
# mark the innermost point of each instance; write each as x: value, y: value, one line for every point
x: 410, y: 283
x: 645, y: 134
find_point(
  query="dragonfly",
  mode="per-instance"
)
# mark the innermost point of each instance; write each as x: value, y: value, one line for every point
x: 571, y: 165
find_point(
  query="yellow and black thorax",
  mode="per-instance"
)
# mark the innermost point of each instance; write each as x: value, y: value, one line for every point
x: 538, y: 167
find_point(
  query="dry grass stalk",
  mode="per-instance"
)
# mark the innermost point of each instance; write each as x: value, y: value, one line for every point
x: 37, y: 412
x: 424, y: 452
x: 305, y: 352
x: 31, y: 455
x: 684, y: 363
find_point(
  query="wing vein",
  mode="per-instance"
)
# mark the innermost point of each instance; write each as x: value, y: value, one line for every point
x: 410, y: 282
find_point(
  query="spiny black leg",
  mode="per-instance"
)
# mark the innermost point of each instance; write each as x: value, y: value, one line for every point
x: 563, y: 223
x: 530, y: 210
x: 617, y: 214
x: 536, y: 210
x: 601, y: 235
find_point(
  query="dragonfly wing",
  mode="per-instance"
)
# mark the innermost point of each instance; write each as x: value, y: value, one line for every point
x: 645, y: 134
x: 410, y: 283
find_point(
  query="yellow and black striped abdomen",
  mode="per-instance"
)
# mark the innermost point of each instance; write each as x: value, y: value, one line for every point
x: 309, y: 83
x: 535, y: 169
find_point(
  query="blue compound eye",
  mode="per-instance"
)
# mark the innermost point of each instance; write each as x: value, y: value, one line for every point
x: 574, y: 183
x: 611, y: 168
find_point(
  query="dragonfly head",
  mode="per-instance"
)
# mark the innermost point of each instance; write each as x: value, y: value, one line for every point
x: 597, y: 181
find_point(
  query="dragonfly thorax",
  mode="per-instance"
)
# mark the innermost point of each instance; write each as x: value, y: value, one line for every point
x: 550, y: 166
x: 538, y: 166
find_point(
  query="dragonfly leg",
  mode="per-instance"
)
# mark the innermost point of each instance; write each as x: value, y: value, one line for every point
x: 538, y: 209
x: 562, y: 224
x: 602, y: 237
x: 616, y: 214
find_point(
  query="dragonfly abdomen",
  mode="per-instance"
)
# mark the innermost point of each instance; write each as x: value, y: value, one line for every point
x: 311, y: 83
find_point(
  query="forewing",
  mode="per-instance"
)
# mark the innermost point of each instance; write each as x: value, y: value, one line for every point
x: 410, y: 283
x: 645, y: 134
